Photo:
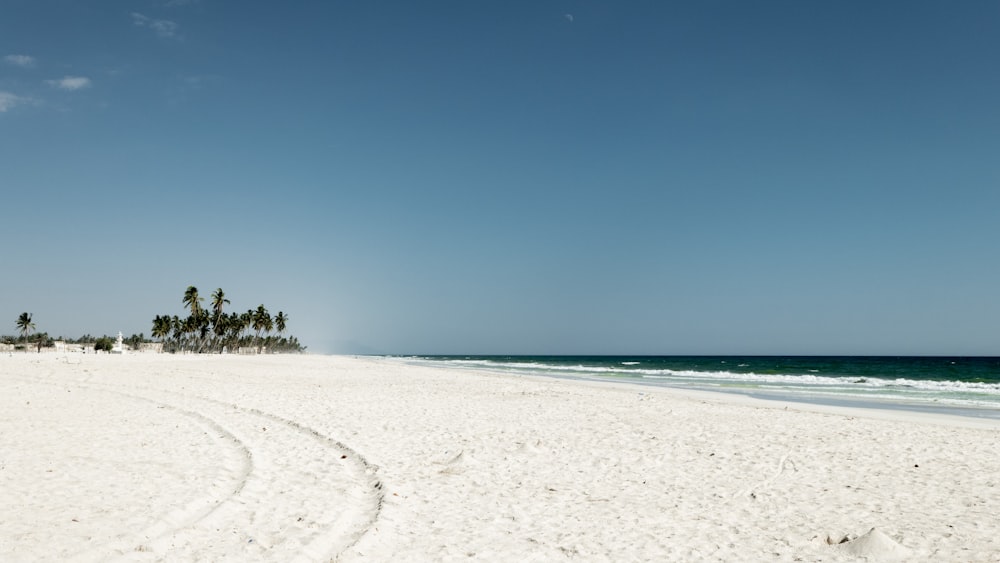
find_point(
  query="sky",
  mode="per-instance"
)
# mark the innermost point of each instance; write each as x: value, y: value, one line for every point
x: 510, y: 177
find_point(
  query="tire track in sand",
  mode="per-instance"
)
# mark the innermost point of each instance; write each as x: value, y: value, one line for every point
x: 300, y: 496
x: 191, y: 512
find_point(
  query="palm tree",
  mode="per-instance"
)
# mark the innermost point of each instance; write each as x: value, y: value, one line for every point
x: 218, y: 301
x: 232, y: 328
x: 219, y: 319
x: 178, y: 328
x: 24, y: 325
x: 280, y: 321
x: 191, y: 300
x: 203, y: 325
x: 233, y: 325
x: 247, y: 321
x: 161, y: 327
x: 261, y: 320
x: 220, y: 326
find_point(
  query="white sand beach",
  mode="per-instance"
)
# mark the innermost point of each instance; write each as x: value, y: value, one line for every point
x: 315, y: 458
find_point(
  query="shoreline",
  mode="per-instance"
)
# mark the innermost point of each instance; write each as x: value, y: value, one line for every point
x: 311, y: 457
x: 801, y: 397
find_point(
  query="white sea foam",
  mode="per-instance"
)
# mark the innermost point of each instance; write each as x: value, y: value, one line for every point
x: 850, y: 383
x: 899, y: 389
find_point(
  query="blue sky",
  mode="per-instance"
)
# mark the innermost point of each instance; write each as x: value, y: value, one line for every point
x: 510, y: 177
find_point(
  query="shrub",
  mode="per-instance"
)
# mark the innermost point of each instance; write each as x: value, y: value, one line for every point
x: 104, y: 343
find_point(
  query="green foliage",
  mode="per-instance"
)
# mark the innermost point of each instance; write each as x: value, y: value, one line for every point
x: 43, y: 340
x: 135, y: 341
x: 204, y: 330
x: 213, y: 330
x: 24, y: 324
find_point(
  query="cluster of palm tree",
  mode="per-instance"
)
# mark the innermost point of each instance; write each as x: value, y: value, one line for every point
x: 215, y: 330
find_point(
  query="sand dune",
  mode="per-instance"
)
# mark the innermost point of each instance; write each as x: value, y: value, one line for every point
x: 158, y: 457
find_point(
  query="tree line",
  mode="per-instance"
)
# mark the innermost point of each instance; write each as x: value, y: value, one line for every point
x: 213, y: 330
x: 25, y: 325
x: 202, y: 331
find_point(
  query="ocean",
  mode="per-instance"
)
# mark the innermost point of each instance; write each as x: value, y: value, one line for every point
x: 968, y: 386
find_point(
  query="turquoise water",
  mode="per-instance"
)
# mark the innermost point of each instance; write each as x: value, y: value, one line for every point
x: 965, y: 385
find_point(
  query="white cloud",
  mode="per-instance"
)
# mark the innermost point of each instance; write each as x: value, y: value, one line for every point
x: 20, y: 60
x: 8, y: 101
x: 163, y: 28
x: 569, y: 17
x: 70, y: 83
